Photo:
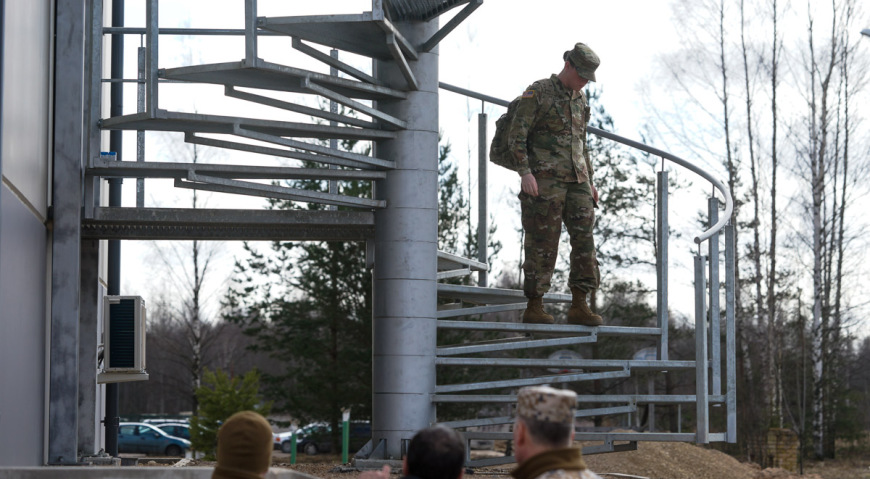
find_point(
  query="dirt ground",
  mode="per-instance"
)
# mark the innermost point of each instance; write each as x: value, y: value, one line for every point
x: 652, y: 460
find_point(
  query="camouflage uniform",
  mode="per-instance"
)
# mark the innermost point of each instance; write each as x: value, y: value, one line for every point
x: 548, y: 138
x: 555, y: 464
x: 546, y: 404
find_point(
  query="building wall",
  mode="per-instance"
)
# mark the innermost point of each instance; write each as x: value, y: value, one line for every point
x: 24, y: 200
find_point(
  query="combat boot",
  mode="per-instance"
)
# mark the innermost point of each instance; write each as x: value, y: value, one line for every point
x: 535, y: 312
x: 579, y: 312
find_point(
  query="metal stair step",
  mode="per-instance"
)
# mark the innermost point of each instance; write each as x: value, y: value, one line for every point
x: 364, y: 34
x: 449, y: 261
x: 601, y: 398
x: 480, y: 295
x: 223, y: 185
x: 155, y: 169
x: 164, y: 120
x: 527, y: 344
x: 221, y: 224
x: 570, y: 329
x: 491, y: 421
x: 569, y: 364
x: 272, y: 76
x: 516, y: 383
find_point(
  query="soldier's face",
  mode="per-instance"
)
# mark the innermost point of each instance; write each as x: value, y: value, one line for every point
x: 574, y: 80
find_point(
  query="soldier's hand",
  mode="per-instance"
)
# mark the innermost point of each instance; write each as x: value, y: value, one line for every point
x: 594, y: 193
x: 529, y: 184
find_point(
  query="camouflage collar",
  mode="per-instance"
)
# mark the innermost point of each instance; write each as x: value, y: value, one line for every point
x: 562, y: 89
x: 569, y: 459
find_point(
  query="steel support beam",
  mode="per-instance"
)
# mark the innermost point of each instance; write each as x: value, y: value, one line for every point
x: 662, y: 234
x: 482, y: 211
x: 715, y: 331
x: 701, y: 369
x: 404, y: 324
x: 730, y: 338
x: 69, y: 119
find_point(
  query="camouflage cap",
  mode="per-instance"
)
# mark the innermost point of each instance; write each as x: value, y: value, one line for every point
x: 543, y: 403
x: 584, y: 60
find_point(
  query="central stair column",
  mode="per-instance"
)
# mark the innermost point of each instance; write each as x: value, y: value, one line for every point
x: 406, y: 231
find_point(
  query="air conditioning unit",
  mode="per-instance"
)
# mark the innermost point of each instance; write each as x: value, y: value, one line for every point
x: 123, y: 340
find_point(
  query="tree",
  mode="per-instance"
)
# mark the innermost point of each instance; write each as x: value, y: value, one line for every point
x: 220, y: 397
x: 308, y: 306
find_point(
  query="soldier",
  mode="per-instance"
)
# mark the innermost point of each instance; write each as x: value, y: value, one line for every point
x: 543, y: 436
x: 547, y: 138
x: 244, y: 449
x: 436, y: 452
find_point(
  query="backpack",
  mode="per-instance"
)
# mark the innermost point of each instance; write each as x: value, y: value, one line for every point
x: 499, y: 150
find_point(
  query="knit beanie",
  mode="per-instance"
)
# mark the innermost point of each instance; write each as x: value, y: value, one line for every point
x: 244, y: 449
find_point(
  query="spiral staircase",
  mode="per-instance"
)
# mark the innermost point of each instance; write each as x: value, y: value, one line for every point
x: 381, y: 116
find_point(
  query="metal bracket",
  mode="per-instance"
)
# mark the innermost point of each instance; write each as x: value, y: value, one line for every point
x: 360, y: 161
x: 339, y: 65
x: 338, y: 98
x: 224, y: 185
x: 231, y: 91
x: 450, y: 26
x: 393, y: 46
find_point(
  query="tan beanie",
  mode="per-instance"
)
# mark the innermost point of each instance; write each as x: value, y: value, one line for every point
x: 244, y: 449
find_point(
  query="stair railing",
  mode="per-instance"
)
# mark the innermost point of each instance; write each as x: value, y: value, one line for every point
x: 707, y: 316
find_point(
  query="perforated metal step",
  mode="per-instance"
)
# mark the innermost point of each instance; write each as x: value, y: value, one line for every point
x: 212, y: 224
x: 164, y: 120
x: 271, y: 76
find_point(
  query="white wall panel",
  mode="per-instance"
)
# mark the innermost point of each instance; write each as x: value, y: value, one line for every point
x: 26, y: 66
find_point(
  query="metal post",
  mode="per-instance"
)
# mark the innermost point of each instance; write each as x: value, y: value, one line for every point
x: 90, y: 398
x: 662, y: 263
x: 482, y: 203
x: 715, y: 330
x: 95, y: 99
x: 730, y: 339
x: 151, y: 39
x: 140, y: 135
x: 115, y: 184
x: 333, y: 143
x: 404, y: 323
x: 651, y: 390
x: 63, y: 336
x: 250, y: 32
x: 701, y: 388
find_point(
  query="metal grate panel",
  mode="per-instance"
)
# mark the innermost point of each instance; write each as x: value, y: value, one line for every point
x: 419, y: 9
x: 122, y: 344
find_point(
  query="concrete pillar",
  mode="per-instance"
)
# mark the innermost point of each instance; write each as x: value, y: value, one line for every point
x: 406, y: 231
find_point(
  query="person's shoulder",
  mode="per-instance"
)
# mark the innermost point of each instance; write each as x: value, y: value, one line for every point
x: 538, y: 88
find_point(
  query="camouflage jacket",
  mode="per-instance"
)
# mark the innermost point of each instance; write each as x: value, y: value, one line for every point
x: 555, y: 464
x: 548, y: 132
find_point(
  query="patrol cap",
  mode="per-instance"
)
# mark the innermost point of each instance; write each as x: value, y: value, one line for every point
x: 244, y: 446
x: 543, y: 403
x: 584, y: 60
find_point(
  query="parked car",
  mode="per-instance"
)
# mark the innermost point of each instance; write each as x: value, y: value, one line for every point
x: 282, y: 441
x: 176, y: 429
x: 317, y: 437
x: 138, y: 437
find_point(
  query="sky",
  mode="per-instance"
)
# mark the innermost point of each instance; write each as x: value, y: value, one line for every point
x: 500, y: 49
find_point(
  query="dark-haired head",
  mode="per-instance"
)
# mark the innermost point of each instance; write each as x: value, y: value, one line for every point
x: 437, y: 452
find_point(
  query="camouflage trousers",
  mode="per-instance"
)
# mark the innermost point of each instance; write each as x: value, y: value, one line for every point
x: 542, y: 218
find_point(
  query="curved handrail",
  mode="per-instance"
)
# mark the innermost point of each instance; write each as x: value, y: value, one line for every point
x: 729, y: 202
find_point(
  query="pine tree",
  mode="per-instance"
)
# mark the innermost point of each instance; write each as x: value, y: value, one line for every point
x: 220, y: 397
